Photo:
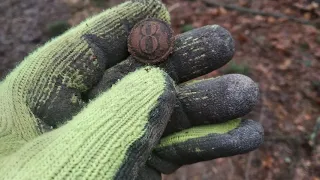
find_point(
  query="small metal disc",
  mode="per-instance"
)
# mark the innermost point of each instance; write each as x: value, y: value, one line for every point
x: 151, y: 41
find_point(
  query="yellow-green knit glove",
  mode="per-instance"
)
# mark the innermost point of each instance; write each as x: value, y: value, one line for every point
x: 81, y: 108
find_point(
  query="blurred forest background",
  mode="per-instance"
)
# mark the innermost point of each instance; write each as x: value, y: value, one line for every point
x: 277, y: 45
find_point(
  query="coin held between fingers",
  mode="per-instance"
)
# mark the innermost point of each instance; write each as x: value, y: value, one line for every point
x: 151, y: 41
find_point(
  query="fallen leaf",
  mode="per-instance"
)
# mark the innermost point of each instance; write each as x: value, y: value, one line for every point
x: 243, y: 2
x: 301, y: 128
x: 285, y: 64
x: 307, y: 15
x: 275, y: 88
x: 281, y: 20
x: 213, y: 11
x: 242, y: 38
x: 307, y: 117
x: 271, y: 20
x: 268, y: 162
x: 259, y: 18
x: 288, y: 11
x: 314, y: 5
x: 223, y: 11
x: 283, y: 45
x: 306, y: 7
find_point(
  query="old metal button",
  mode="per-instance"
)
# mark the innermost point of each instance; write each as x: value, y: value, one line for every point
x: 151, y: 41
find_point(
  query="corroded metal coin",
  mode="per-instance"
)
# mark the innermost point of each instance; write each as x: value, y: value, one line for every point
x: 151, y: 41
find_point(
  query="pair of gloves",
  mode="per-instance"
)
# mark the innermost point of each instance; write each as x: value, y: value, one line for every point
x: 80, y: 107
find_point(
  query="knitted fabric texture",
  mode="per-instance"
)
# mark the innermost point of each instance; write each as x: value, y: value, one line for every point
x: 95, y: 143
x: 198, y: 132
x: 53, y: 77
x: 62, y: 67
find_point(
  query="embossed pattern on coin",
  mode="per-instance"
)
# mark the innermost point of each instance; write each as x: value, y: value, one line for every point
x: 151, y: 41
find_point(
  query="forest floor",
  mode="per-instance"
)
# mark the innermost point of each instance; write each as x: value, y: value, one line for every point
x: 281, y: 54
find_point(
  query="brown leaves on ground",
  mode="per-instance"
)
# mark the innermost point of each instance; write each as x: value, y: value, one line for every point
x: 284, y: 58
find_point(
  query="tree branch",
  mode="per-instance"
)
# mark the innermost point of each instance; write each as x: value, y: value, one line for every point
x: 258, y: 12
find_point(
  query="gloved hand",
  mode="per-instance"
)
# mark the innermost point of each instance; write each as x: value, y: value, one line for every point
x: 81, y: 108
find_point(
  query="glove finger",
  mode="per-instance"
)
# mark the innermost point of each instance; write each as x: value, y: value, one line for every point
x: 146, y: 102
x: 199, y: 52
x: 108, y: 39
x: 206, y: 143
x: 196, y: 53
x: 57, y: 74
x: 211, y: 101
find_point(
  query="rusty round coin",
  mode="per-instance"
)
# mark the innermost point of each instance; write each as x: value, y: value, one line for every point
x: 151, y: 41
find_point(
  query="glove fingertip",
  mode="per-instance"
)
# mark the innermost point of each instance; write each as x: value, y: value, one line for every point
x: 198, y: 144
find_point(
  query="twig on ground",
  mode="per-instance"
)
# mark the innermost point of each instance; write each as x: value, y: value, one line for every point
x: 173, y: 7
x: 251, y: 154
x: 313, y: 137
x: 248, y: 166
x: 231, y: 174
x: 285, y: 139
x: 258, y: 12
